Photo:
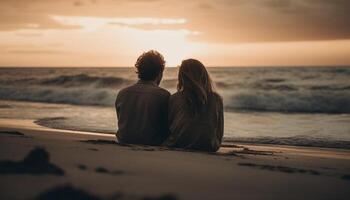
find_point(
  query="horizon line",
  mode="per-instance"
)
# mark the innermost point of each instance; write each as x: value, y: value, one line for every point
x: 209, y: 66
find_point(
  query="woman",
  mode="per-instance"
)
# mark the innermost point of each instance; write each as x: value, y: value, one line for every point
x: 195, y: 110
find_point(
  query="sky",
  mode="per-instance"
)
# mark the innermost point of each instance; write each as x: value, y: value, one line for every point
x: 217, y: 32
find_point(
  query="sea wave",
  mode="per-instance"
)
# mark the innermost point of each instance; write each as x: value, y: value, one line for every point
x: 330, y: 87
x: 78, y: 80
x: 84, y: 80
x: 305, y: 101
x: 75, y: 96
x: 293, y: 141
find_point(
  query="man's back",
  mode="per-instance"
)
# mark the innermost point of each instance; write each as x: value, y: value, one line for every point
x: 142, y: 114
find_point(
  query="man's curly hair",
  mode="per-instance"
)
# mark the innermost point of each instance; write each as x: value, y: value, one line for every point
x: 149, y: 65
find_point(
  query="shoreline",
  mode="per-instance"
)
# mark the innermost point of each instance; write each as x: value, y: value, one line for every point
x: 93, y: 164
x: 245, y: 128
x: 29, y: 126
x: 226, y: 140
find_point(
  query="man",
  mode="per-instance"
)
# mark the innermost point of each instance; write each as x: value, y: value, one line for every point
x: 142, y: 108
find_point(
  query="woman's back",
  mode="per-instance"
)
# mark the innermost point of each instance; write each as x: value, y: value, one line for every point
x: 200, y: 131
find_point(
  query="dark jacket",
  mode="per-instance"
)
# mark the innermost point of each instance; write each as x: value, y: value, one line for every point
x: 202, y: 132
x: 142, y: 114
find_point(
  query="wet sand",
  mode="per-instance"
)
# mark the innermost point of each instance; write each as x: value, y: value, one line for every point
x: 44, y: 163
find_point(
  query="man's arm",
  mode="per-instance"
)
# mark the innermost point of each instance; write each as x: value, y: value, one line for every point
x: 165, y: 116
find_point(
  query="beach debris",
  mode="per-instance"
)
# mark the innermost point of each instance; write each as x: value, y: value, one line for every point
x: 163, y: 197
x: 106, y: 171
x: 99, y: 141
x: 255, y: 152
x: 243, y: 150
x: 92, y: 149
x: 280, y: 168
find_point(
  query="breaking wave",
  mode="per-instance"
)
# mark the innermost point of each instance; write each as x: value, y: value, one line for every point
x: 295, y: 101
x: 85, y: 80
x: 79, y: 80
x: 326, y: 94
x: 272, y: 101
x: 77, y: 96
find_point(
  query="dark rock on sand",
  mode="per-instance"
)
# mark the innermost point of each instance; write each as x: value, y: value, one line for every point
x: 82, y: 167
x: 163, y: 197
x: 66, y: 192
x: 13, y: 133
x: 37, y: 162
x: 346, y: 177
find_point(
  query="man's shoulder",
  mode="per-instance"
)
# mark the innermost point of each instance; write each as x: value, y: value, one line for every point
x: 125, y: 89
x: 162, y: 91
x: 147, y: 89
x: 159, y: 92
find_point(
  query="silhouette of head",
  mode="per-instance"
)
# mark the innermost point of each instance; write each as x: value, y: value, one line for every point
x: 150, y: 66
x: 195, y: 84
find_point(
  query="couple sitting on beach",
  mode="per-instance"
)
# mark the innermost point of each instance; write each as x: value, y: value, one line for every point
x: 192, y: 118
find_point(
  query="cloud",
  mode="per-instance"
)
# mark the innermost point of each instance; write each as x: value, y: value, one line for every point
x: 205, y: 6
x: 31, y: 48
x: 21, y: 14
x: 216, y: 20
x: 145, y: 23
x: 78, y: 3
x: 275, y: 20
x: 44, y: 51
x: 29, y: 34
x: 277, y: 3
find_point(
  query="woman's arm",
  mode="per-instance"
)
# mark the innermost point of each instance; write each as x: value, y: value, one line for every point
x: 219, y: 117
x: 220, y: 123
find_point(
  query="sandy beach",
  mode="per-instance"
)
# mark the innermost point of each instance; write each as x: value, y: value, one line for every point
x: 92, y: 166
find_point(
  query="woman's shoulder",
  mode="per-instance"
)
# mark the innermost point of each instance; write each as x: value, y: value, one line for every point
x: 216, y: 96
x: 175, y: 98
x: 176, y: 95
x: 217, y: 100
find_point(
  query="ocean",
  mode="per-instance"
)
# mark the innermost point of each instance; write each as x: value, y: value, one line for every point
x: 302, y: 106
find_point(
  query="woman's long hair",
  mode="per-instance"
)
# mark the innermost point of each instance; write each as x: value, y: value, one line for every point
x: 195, y: 84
